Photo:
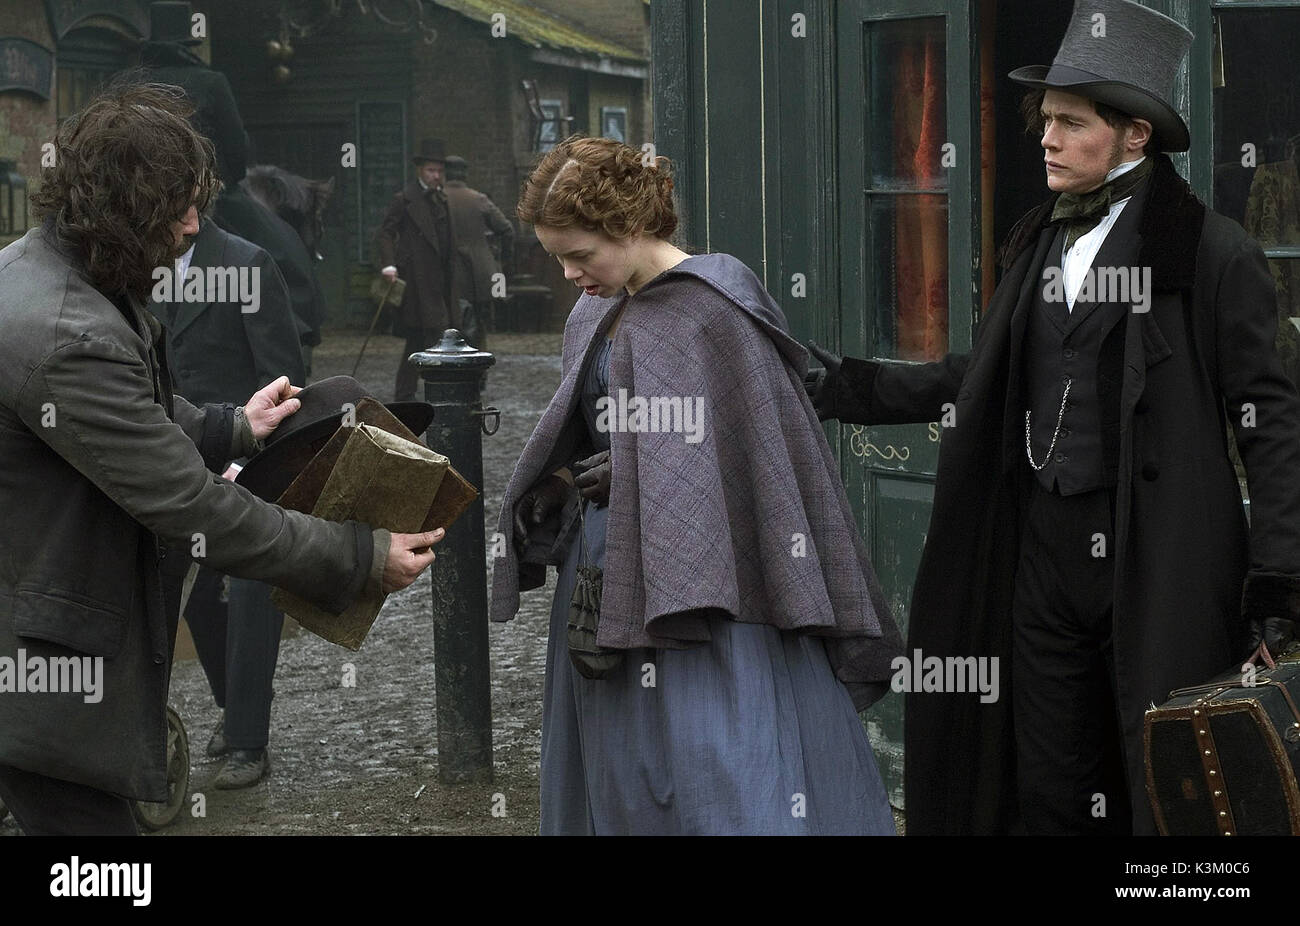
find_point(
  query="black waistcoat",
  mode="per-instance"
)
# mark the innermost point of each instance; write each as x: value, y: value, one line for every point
x: 1060, y: 345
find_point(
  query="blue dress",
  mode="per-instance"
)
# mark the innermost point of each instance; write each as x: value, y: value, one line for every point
x: 750, y: 733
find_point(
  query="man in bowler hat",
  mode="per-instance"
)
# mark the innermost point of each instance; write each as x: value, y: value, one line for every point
x: 1087, y: 527
x: 474, y: 217
x: 416, y: 242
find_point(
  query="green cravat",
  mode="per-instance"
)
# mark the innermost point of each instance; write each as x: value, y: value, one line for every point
x: 1084, y: 211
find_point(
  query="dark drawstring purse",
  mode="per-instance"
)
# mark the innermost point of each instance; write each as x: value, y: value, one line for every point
x: 590, y: 660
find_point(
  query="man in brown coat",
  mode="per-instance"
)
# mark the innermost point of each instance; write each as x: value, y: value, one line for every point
x: 416, y: 242
x: 473, y: 218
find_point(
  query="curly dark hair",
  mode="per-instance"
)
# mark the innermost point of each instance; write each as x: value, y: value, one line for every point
x: 600, y: 185
x: 126, y: 169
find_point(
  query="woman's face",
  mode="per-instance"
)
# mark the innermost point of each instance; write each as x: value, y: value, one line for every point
x: 596, y: 263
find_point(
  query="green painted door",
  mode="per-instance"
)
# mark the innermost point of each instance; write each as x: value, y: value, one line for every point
x: 908, y: 178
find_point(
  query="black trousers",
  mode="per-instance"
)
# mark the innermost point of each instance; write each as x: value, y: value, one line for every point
x: 238, y: 643
x: 51, y: 807
x: 1069, y: 753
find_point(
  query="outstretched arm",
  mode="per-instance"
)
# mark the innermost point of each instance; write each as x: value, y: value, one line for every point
x: 884, y: 392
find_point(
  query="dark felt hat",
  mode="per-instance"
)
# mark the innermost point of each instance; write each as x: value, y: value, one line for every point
x: 1124, y: 55
x: 292, y: 445
x: 431, y: 149
x: 169, y: 21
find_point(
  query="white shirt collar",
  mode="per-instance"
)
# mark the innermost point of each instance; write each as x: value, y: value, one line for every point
x: 183, y: 262
x: 1123, y: 169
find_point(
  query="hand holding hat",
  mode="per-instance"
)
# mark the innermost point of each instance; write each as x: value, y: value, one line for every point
x: 270, y: 405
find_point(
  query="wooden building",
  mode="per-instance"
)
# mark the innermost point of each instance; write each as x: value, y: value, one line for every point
x: 382, y: 77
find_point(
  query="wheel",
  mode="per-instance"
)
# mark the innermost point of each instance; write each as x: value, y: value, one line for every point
x: 155, y: 815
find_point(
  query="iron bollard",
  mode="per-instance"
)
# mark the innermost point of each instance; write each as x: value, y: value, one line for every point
x: 452, y: 372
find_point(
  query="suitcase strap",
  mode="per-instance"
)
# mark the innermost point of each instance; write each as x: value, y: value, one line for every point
x: 1209, y: 754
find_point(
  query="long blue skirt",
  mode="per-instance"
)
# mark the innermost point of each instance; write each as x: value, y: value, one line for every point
x: 750, y: 733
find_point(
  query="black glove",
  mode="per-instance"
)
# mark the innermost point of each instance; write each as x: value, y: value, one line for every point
x: 535, y: 505
x: 1275, y: 633
x: 593, y: 478
x: 822, y: 384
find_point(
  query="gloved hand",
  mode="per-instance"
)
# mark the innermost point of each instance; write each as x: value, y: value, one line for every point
x: 535, y: 505
x: 821, y: 385
x: 594, y: 477
x: 1270, y: 637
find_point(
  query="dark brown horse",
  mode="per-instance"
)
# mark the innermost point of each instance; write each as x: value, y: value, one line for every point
x: 297, y: 200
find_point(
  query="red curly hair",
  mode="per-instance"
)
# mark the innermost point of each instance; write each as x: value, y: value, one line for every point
x: 600, y: 185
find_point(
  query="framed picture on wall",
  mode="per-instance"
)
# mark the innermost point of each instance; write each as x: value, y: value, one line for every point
x: 613, y: 122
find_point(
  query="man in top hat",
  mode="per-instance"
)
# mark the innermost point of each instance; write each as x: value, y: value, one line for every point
x: 474, y: 217
x: 1087, y: 528
x: 416, y: 242
x: 169, y: 60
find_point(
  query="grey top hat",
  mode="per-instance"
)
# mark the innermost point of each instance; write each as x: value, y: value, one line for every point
x: 1124, y: 55
x: 170, y: 22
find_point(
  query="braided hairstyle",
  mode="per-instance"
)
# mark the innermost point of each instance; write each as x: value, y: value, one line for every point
x: 600, y: 185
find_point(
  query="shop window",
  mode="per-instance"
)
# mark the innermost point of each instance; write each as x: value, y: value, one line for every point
x: 1257, y: 146
x: 907, y: 193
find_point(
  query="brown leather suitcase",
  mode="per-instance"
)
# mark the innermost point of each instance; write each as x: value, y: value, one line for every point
x: 1222, y: 758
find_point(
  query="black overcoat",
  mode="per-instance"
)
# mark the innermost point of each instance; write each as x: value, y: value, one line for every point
x: 216, y: 115
x: 216, y: 351
x: 1188, y: 570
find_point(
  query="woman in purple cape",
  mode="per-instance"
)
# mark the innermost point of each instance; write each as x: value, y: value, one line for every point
x: 741, y: 626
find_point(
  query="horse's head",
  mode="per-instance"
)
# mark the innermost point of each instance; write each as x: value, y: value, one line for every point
x: 297, y: 200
